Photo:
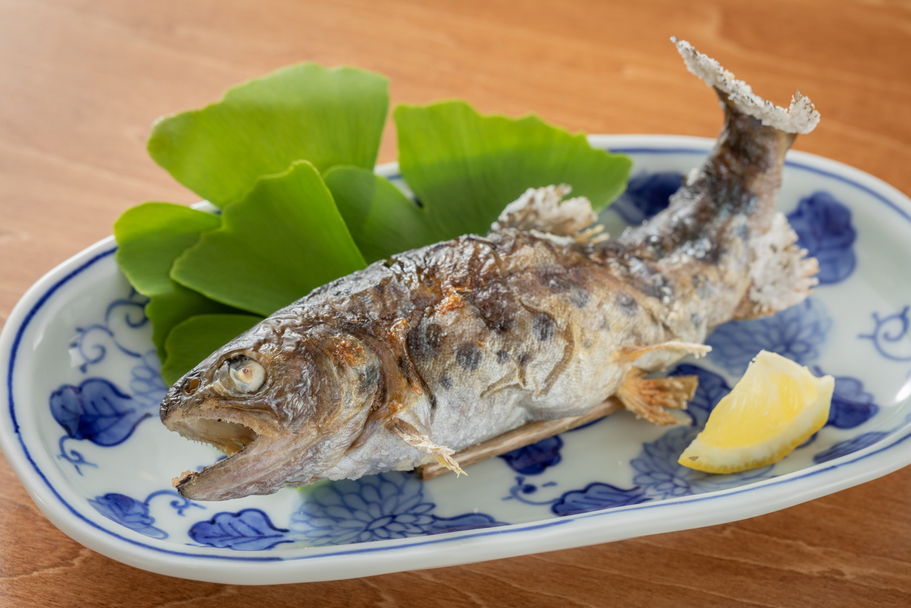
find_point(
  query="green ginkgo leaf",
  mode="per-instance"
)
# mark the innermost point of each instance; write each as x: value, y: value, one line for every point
x: 381, y: 219
x: 197, y: 337
x: 149, y: 238
x: 465, y: 168
x: 326, y: 116
x: 274, y: 246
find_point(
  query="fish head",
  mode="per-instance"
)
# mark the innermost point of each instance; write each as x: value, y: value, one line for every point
x: 282, y: 405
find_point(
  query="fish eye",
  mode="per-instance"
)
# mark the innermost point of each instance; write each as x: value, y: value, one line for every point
x: 247, y: 376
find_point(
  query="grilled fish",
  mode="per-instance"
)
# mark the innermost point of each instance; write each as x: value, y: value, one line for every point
x: 440, y: 348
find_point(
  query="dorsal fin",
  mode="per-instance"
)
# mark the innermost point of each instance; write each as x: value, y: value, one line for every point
x: 543, y: 210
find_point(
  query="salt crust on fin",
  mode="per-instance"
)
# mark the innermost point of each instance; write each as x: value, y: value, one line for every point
x: 415, y: 439
x: 781, y: 273
x: 801, y: 117
x: 541, y: 212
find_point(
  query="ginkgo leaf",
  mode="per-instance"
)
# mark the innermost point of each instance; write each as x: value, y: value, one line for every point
x: 301, y: 112
x: 464, y: 167
x: 274, y: 246
x: 381, y: 219
x: 149, y: 238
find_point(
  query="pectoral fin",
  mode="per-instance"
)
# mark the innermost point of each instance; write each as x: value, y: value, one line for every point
x: 649, y: 397
x: 659, y: 356
x: 417, y: 440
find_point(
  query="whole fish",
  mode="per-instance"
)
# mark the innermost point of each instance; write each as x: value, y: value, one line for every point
x: 440, y: 348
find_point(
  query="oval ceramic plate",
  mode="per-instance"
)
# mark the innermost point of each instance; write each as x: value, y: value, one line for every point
x: 80, y: 407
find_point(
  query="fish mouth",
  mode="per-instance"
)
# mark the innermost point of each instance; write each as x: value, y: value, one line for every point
x: 255, y: 461
x: 229, y: 437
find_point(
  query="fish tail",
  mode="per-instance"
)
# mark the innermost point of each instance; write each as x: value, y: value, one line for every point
x: 743, y: 172
x: 801, y: 117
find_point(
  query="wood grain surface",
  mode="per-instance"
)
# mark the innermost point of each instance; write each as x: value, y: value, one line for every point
x: 81, y: 81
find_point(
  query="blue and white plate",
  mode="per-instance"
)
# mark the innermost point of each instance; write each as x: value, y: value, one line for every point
x: 78, y: 421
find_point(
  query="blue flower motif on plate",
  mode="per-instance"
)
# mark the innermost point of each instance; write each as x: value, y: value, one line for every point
x: 824, y: 229
x: 96, y: 410
x: 378, y: 507
x: 534, y: 459
x: 796, y: 333
x: 468, y: 521
x: 128, y: 512
x: 851, y: 405
x: 849, y: 446
x: 597, y: 496
x: 246, y: 530
x: 134, y: 514
x: 646, y: 195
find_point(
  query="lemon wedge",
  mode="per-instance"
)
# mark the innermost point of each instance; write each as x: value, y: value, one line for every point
x: 776, y: 406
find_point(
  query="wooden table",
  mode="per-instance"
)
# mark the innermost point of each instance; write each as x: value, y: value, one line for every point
x: 81, y: 80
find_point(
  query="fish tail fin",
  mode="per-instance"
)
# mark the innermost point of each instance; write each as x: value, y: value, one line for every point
x: 801, y: 117
x: 743, y: 172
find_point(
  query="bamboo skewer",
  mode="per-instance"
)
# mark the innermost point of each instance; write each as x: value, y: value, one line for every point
x: 520, y: 437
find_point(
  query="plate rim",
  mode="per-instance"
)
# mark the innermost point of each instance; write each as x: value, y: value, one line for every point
x: 351, y: 561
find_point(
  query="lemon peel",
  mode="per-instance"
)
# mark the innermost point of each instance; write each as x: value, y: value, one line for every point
x: 776, y: 406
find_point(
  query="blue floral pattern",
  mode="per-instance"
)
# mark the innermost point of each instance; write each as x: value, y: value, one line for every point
x: 247, y: 530
x: 134, y: 514
x: 851, y: 405
x: 92, y: 342
x: 379, y: 507
x: 597, y: 496
x: 849, y: 446
x: 534, y: 459
x: 824, y: 229
x: 98, y: 410
x: 797, y: 333
x: 146, y: 384
x: 128, y: 512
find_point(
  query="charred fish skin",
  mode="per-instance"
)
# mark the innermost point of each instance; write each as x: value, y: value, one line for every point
x: 446, y: 346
